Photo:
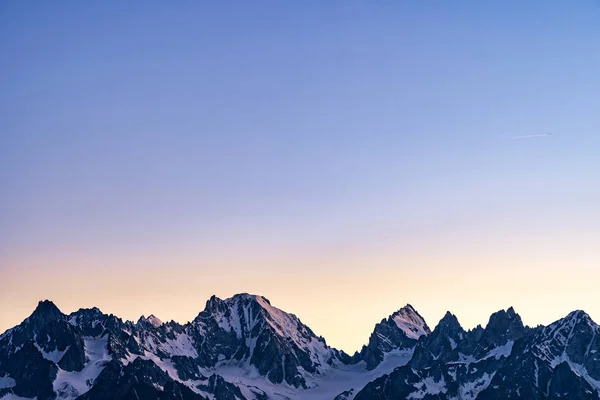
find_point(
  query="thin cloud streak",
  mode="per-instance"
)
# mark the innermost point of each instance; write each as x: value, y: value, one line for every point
x: 531, y: 136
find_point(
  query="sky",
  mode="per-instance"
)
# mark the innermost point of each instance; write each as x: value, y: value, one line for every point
x: 340, y: 158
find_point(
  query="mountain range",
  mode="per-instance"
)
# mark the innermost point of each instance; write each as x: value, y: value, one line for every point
x: 243, y: 348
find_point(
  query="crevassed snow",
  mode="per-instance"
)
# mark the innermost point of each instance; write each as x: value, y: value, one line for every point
x: 69, y: 385
x: 335, y: 379
x: 7, y: 382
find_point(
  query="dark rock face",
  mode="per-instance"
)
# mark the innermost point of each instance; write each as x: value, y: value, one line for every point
x: 441, y: 344
x: 91, y: 321
x: 74, y: 358
x: 32, y: 372
x: 502, y: 327
x: 564, y: 380
x: 187, y: 368
x: 45, y: 313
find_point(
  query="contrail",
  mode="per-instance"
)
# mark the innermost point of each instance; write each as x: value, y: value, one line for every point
x: 531, y: 136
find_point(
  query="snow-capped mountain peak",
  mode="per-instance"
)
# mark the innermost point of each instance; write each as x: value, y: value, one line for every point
x: 400, y: 331
x: 408, y: 320
x: 152, y: 320
x: 256, y: 331
x: 245, y: 313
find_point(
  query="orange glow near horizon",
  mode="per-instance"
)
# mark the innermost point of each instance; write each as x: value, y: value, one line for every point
x: 339, y: 297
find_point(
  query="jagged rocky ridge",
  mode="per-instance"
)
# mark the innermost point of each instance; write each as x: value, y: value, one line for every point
x: 244, y: 348
x: 506, y: 360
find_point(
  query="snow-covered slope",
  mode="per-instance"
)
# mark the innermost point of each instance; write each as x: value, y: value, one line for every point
x: 71, y: 384
x: 408, y: 320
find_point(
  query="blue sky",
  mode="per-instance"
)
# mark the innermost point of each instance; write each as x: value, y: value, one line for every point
x: 307, y: 130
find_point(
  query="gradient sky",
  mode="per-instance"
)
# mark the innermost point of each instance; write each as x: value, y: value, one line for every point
x: 341, y: 158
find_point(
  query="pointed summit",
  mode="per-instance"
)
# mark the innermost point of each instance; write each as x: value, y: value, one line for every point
x: 441, y: 344
x: 449, y: 323
x: 400, y: 331
x: 503, y: 318
x: 409, y: 321
x: 46, y: 311
x: 502, y: 327
x: 152, y: 319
